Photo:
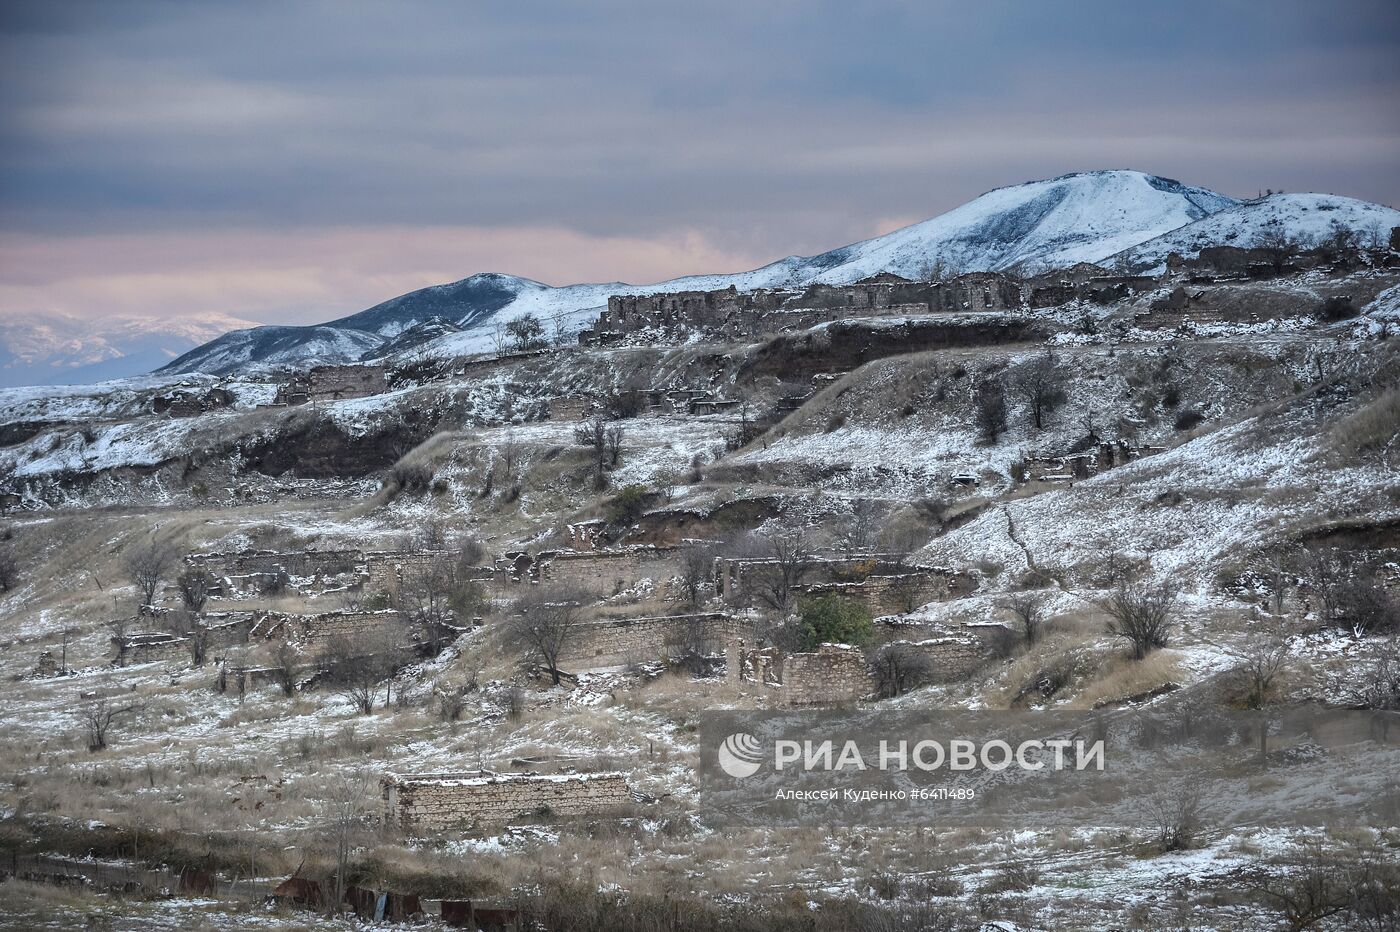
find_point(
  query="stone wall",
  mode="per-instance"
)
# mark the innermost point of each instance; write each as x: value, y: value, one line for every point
x: 571, y: 407
x: 950, y: 659
x: 315, y: 633
x: 831, y: 675
x: 623, y: 640
x: 437, y: 801
x: 150, y: 648
x: 882, y: 581
x: 333, y: 383
x: 385, y: 570
x: 887, y: 595
x: 606, y: 572
x: 1084, y: 464
x: 191, y: 403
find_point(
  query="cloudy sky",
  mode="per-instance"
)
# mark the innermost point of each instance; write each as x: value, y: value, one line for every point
x: 296, y: 161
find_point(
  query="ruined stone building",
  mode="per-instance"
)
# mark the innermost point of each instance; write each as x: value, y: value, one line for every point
x: 188, y: 402
x: 837, y: 674
x: 334, y: 383
x: 430, y: 802
x: 732, y: 313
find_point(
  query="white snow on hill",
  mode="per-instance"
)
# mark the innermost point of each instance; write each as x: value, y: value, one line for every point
x: 1306, y: 219
x: 1082, y: 217
x: 1044, y: 224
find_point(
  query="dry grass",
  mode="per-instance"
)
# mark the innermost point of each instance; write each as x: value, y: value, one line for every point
x: 1122, y: 677
x: 1372, y: 430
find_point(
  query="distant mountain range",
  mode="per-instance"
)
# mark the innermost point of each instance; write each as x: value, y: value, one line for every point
x: 58, y: 349
x: 1120, y: 218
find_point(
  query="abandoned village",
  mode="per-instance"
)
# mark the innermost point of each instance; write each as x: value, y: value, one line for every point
x: 427, y: 639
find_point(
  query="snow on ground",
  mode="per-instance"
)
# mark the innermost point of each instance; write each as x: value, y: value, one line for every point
x: 1192, y: 508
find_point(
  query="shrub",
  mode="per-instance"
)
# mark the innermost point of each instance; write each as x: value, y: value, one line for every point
x: 412, y: 478
x: 1366, y: 607
x: 627, y: 506
x: 1337, y: 307
x: 1188, y: 419
x: 830, y: 619
x: 1141, y: 614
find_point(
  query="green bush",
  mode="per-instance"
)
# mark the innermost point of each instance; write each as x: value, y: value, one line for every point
x: 833, y: 620
x: 627, y: 506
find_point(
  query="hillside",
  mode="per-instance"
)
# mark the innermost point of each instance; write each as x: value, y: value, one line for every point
x: 1305, y: 219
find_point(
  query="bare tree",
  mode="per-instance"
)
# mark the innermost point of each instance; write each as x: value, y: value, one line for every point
x: 97, y: 718
x: 286, y: 667
x: 1175, y: 815
x: 1042, y: 385
x: 452, y: 698
x: 613, y: 440
x: 1261, y: 658
x: 898, y: 668
x: 429, y: 535
x: 358, y: 664
x: 1277, y: 247
x: 147, y: 566
x: 1277, y: 569
x: 346, y: 829
x: 426, y: 589
x: 593, y: 433
x: 1141, y: 614
x: 197, y: 639
x: 784, y: 558
x: 120, y: 627
x: 509, y: 452
x: 1314, y: 889
x: 989, y: 411
x: 559, y: 327
x: 697, y: 571
x: 1028, y: 609
x: 1381, y: 687
x: 543, y: 623
x: 526, y: 332
x: 194, y: 583
x: 1366, y: 607
x: 696, y: 644
x: 1323, y: 577
x: 860, y: 530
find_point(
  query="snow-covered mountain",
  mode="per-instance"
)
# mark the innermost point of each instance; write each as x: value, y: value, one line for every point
x: 1082, y: 217
x: 1306, y: 219
x: 51, y: 349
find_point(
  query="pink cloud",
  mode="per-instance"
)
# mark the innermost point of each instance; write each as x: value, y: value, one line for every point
x: 310, y: 275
